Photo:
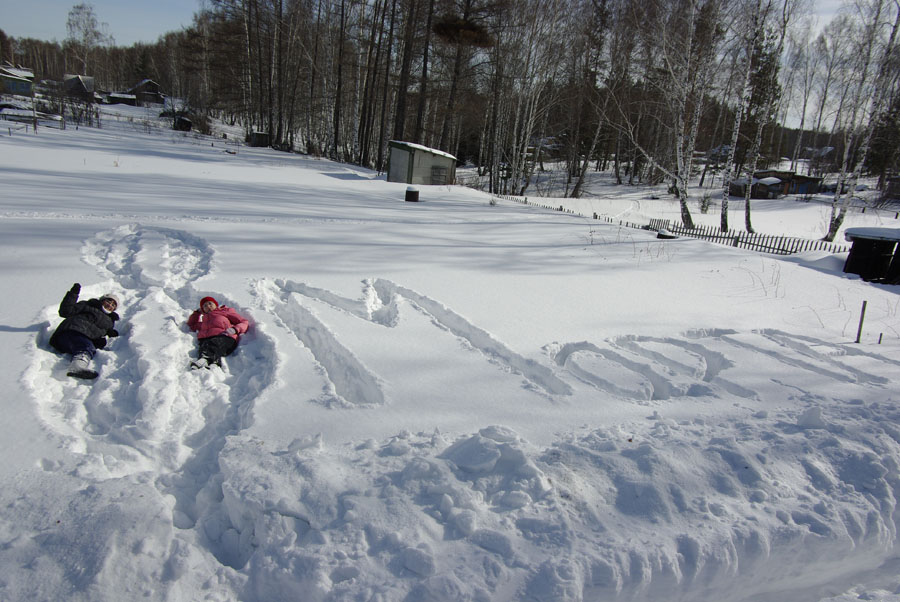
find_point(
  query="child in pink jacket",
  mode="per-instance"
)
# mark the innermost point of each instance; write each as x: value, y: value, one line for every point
x: 218, y: 329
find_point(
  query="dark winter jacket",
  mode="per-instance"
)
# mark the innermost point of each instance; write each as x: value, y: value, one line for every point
x: 85, y: 317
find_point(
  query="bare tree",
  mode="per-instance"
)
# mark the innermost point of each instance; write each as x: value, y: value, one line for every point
x: 804, y: 62
x: 765, y: 93
x: 539, y: 43
x: 409, y: 36
x: 85, y: 34
x: 870, y: 92
x: 748, y: 38
x: 685, y: 37
x: 463, y: 27
x: 595, y: 26
x: 829, y: 49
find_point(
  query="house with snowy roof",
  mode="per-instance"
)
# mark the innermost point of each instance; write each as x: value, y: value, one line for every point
x: 80, y: 87
x: 791, y: 182
x: 771, y: 184
x: 760, y: 188
x: 147, y: 92
x: 16, y: 80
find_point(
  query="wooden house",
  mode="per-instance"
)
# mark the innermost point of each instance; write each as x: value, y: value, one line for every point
x: 80, y: 87
x: 148, y: 92
x: 791, y: 182
x: 771, y: 184
x: 120, y: 98
x: 15, y: 80
x: 760, y: 188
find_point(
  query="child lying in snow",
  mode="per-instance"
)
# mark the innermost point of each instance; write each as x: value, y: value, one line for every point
x: 84, y: 330
x: 218, y: 329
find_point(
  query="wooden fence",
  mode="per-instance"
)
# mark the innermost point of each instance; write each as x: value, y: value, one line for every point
x: 763, y: 243
x: 25, y: 123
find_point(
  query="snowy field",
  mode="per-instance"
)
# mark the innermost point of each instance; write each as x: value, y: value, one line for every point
x: 445, y: 400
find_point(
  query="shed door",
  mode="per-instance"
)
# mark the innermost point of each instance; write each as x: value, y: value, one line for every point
x: 399, y: 168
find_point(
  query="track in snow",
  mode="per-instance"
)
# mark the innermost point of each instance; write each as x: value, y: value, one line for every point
x: 147, y: 411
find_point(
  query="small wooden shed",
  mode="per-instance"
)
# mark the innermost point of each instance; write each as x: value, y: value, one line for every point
x: 258, y: 139
x: 416, y: 164
x: 875, y: 254
x: 891, y: 189
x: 182, y: 123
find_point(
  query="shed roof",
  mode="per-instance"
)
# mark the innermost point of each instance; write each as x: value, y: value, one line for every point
x: 141, y: 84
x: 8, y: 76
x: 16, y: 72
x: 892, y: 234
x: 413, y: 145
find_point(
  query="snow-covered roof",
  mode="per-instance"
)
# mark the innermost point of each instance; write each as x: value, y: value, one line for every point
x: 17, y: 72
x: 141, y: 84
x: 8, y: 76
x: 893, y: 234
x: 433, y: 151
x: 770, y: 181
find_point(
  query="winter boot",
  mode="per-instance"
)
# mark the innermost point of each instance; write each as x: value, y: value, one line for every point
x: 78, y: 368
x: 200, y: 363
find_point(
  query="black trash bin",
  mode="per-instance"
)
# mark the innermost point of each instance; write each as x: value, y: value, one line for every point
x: 412, y: 194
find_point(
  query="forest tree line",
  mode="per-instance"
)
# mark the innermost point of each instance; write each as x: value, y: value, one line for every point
x: 638, y: 88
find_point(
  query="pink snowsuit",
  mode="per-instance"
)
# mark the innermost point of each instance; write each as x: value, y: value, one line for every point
x: 216, y: 322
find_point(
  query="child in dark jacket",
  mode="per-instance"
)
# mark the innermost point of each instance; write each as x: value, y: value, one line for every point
x: 84, y: 329
x: 218, y: 329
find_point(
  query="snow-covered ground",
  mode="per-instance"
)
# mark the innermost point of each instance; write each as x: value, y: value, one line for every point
x: 444, y: 400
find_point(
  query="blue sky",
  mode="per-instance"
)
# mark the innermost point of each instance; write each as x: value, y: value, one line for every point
x: 129, y: 21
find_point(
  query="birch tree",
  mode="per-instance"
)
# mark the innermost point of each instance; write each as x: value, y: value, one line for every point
x: 766, y: 92
x: 597, y: 24
x: 804, y: 62
x: 540, y: 43
x: 760, y: 111
x: 687, y: 35
x: 869, y: 95
x: 85, y: 34
x: 829, y: 49
x: 462, y: 26
x: 748, y: 38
